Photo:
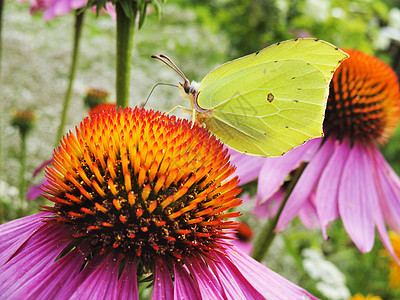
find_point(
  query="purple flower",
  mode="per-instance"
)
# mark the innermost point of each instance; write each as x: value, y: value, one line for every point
x: 138, y: 195
x: 346, y: 176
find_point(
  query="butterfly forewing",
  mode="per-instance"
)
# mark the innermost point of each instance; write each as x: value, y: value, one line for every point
x: 267, y: 109
x: 321, y: 54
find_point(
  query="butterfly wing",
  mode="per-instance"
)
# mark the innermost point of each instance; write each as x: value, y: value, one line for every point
x: 323, y: 55
x: 268, y: 106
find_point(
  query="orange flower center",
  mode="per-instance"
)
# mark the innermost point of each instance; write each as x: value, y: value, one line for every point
x: 363, y: 101
x: 144, y: 184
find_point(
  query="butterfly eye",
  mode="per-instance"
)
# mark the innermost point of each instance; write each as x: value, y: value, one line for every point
x: 187, y: 88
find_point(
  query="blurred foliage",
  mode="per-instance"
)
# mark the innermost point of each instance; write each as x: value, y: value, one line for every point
x: 251, y: 25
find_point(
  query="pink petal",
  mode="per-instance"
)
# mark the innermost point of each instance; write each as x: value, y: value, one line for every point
x: 45, y: 279
x: 235, y: 286
x: 98, y: 280
x: 328, y: 186
x: 127, y: 288
x: 247, y: 167
x: 184, y: 287
x: 33, y: 259
x: 208, y: 286
x: 15, y: 233
x: 306, y: 184
x: 356, y: 194
x: 163, y: 286
x: 275, y: 170
x: 268, y: 283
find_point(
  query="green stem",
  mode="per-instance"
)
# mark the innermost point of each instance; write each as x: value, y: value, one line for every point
x: 124, y: 45
x: 1, y: 97
x: 267, y: 235
x: 67, y: 99
x: 22, y: 171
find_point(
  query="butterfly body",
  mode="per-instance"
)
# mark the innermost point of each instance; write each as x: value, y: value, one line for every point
x: 270, y: 101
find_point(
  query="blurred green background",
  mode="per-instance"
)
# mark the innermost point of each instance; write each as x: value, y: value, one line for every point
x: 198, y: 36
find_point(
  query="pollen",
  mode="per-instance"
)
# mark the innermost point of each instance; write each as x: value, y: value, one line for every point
x: 143, y: 184
x: 364, y: 100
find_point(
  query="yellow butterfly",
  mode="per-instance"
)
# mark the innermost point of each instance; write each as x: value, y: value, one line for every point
x: 268, y: 102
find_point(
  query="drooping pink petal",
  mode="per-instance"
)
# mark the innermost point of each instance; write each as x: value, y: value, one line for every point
x: 328, y: 185
x: 42, y: 166
x: 127, y: 288
x: 270, y: 207
x: 268, y: 283
x: 356, y: 193
x: 306, y: 184
x: 163, y: 286
x: 377, y: 203
x: 389, y: 186
x: 308, y: 213
x: 275, y: 170
x: 184, y: 287
x: 35, y: 191
x: 247, y: 167
x: 208, y: 285
x: 234, y: 285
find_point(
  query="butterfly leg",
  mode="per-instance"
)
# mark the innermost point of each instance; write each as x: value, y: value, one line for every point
x: 184, y: 109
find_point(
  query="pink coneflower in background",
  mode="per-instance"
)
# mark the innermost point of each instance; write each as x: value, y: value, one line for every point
x: 137, y: 195
x: 54, y: 8
x: 346, y: 176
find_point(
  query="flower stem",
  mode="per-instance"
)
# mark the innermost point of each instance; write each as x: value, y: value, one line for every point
x: 22, y: 171
x: 77, y: 34
x: 267, y: 235
x: 124, y: 45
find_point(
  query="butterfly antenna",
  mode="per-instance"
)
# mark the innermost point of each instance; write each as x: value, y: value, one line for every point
x: 157, y: 84
x: 166, y: 60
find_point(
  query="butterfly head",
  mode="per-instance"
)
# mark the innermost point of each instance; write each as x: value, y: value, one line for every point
x: 188, y: 90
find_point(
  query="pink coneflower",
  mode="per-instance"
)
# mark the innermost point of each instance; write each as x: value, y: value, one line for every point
x: 54, y: 8
x: 138, y: 195
x: 346, y: 176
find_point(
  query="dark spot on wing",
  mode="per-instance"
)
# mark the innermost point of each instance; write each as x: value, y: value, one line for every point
x: 270, y: 97
x: 299, y: 89
x: 296, y: 39
x: 316, y: 40
x: 278, y: 43
x: 257, y: 52
x: 293, y: 77
x: 286, y: 126
x: 295, y: 100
